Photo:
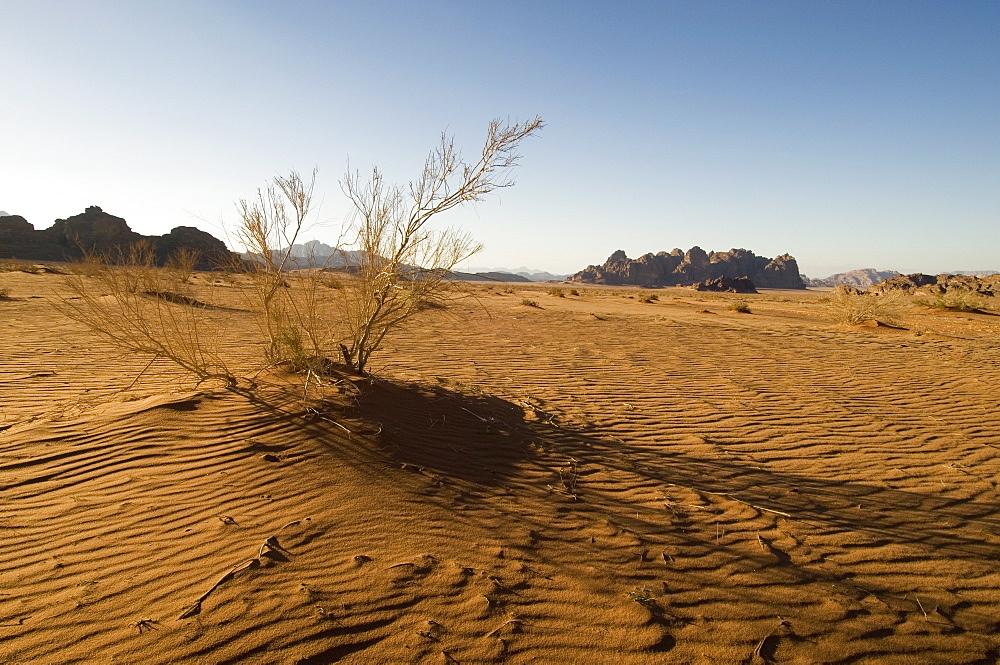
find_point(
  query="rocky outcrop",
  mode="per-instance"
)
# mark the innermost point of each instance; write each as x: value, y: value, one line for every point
x: 212, y: 252
x: 727, y: 285
x: 93, y: 230
x: 98, y: 232
x: 696, y: 265
x: 938, y: 284
x: 861, y: 279
x: 14, y: 225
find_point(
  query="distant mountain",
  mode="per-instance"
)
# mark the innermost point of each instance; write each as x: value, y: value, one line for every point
x: 312, y: 248
x: 315, y: 254
x: 866, y: 277
x: 489, y: 276
x: 861, y: 278
x: 3, y: 213
x: 973, y: 273
x: 531, y: 274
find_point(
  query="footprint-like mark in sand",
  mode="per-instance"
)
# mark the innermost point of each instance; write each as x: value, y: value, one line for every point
x: 270, y: 552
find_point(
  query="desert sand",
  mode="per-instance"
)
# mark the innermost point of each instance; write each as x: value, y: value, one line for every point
x: 593, y: 480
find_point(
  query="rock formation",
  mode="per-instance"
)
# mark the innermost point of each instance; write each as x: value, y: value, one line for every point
x: 726, y: 284
x: 99, y: 232
x: 938, y: 284
x: 696, y: 265
x: 14, y: 225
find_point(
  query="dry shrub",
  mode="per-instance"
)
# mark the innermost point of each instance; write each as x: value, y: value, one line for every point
x: 5, y: 294
x: 741, y: 306
x: 956, y: 299
x: 848, y: 306
x: 181, y: 264
x: 648, y: 297
x: 403, y: 263
x: 124, y: 297
x: 395, y: 267
x: 288, y: 317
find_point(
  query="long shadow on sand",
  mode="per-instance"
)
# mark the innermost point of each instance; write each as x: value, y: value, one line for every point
x: 485, y: 440
x: 899, y: 516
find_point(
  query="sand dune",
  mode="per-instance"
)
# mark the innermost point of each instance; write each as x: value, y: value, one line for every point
x: 596, y: 480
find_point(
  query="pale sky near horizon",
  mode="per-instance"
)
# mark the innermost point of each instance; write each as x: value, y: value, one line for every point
x: 848, y: 134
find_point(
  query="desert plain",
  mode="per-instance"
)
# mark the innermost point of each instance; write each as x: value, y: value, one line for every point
x: 587, y: 479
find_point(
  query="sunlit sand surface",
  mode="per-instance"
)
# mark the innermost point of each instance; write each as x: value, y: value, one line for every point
x: 593, y: 480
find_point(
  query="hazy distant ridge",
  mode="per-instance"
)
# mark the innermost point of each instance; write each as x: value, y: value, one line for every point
x: 531, y: 274
x: 861, y: 278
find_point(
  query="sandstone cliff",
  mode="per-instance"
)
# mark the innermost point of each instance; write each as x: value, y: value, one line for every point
x: 97, y: 231
x: 696, y: 265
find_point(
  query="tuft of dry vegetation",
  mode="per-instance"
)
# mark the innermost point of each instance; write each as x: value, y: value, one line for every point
x: 741, y: 306
x: 848, y: 306
x: 289, y: 319
x: 527, y: 302
x: 955, y: 299
x: 143, y: 309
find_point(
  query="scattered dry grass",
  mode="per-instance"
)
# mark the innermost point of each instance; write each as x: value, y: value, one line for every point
x: 143, y: 309
x: 955, y: 299
x: 853, y: 308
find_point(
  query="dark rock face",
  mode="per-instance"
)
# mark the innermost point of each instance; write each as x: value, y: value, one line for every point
x: 13, y: 225
x: 95, y: 231
x: 212, y: 251
x: 92, y: 230
x: 696, y: 265
x: 938, y: 284
x: 726, y: 284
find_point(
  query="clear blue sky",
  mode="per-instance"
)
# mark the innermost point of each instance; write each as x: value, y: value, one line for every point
x: 849, y: 134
